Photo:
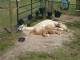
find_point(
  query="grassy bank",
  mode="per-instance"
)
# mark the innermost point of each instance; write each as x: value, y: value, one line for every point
x: 8, y: 41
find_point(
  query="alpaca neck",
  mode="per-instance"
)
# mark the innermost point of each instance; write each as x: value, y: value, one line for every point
x: 28, y: 28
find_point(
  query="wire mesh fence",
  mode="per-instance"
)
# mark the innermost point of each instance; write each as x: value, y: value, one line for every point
x: 7, y: 17
x: 4, y: 16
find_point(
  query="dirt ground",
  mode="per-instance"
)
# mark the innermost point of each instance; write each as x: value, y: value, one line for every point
x: 39, y: 43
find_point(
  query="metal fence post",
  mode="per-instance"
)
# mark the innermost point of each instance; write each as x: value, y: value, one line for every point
x: 17, y: 12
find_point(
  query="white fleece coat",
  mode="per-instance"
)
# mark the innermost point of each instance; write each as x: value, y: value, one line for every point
x: 41, y: 25
x: 51, y: 24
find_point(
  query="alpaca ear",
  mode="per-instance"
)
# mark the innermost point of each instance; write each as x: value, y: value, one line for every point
x: 20, y: 27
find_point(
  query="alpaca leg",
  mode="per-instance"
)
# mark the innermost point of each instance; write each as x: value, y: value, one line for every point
x: 34, y: 32
x: 30, y: 32
x: 45, y: 33
x: 53, y: 32
x: 50, y: 32
x: 56, y: 32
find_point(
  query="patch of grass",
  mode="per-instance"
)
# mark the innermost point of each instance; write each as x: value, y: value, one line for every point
x: 7, y: 42
x: 74, y: 25
x: 74, y: 46
x: 34, y: 56
x: 60, y: 54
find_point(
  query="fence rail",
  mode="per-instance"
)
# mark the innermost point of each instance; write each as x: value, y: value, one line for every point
x: 28, y: 4
x: 28, y: 10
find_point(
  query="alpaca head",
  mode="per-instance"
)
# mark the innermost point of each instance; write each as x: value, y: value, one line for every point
x: 21, y: 27
x: 62, y: 27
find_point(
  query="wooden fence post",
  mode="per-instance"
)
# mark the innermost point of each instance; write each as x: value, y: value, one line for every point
x: 10, y: 13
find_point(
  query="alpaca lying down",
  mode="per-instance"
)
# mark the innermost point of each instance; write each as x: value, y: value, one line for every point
x: 45, y: 28
x: 44, y: 32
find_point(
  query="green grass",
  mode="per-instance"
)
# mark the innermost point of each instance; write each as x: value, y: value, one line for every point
x: 57, y: 55
x: 74, y: 25
x: 4, y: 44
x: 8, y: 41
x: 4, y: 17
x: 75, y: 45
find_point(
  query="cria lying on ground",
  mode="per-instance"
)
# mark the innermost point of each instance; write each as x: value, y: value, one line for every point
x: 45, y: 28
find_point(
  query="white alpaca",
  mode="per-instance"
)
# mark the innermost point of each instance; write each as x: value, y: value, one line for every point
x: 44, y: 28
x: 40, y: 28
